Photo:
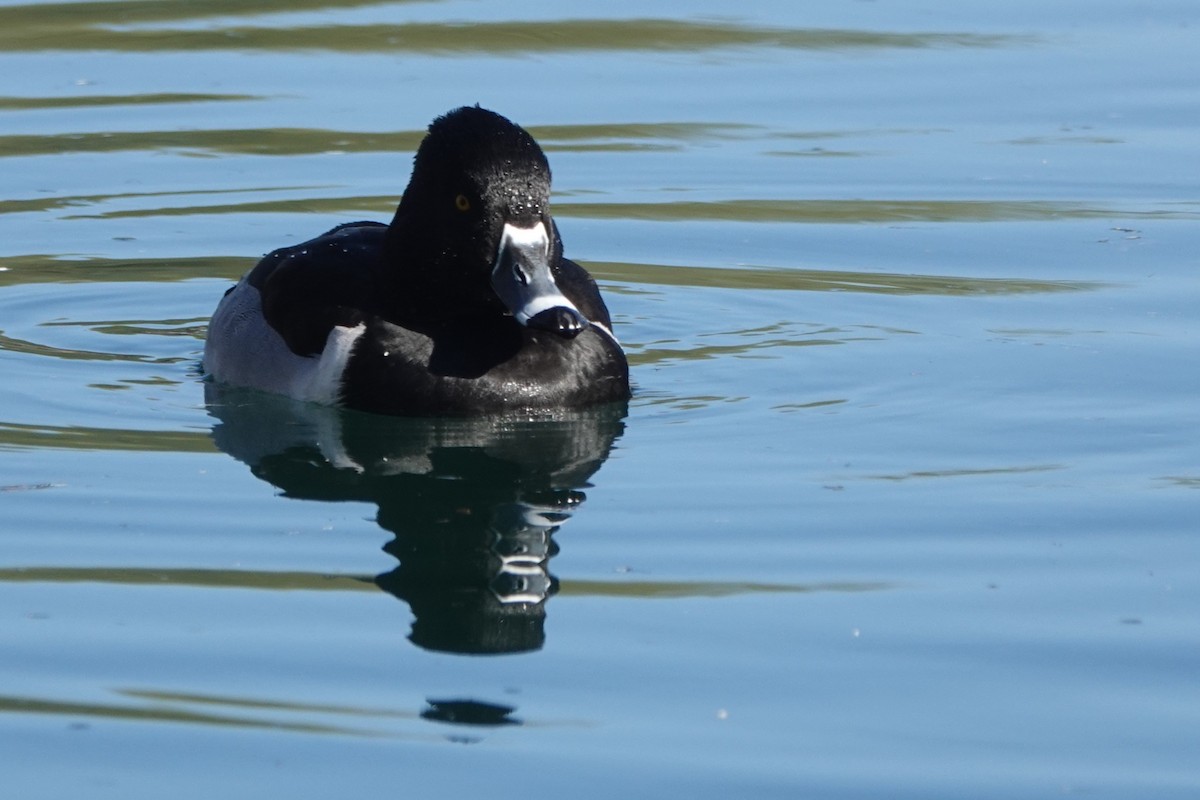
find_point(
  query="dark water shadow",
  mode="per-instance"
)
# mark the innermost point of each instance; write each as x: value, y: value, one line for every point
x: 472, y: 503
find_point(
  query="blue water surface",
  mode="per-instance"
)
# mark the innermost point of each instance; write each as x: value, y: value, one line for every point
x: 904, y: 505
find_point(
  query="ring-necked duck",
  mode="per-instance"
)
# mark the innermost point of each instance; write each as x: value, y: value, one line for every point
x: 464, y: 304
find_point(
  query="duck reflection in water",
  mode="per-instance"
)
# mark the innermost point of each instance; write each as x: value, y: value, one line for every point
x: 473, y: 503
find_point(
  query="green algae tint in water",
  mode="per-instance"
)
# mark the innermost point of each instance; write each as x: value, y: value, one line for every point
x: 904, y: 504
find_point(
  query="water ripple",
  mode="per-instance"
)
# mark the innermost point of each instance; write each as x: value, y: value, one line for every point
x: 90, y: 26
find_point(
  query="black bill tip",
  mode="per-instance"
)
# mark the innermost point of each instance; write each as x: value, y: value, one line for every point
x: 566, y: 322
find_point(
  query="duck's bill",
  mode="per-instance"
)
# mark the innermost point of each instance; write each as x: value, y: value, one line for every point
x: 522, y: 279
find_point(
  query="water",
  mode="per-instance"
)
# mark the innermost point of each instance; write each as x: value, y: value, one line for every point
x: 904, y: 505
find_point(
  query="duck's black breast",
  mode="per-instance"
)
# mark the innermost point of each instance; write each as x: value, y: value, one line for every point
x: 485, y: 367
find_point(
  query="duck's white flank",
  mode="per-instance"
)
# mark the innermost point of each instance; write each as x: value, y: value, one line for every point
x: 243, y: 350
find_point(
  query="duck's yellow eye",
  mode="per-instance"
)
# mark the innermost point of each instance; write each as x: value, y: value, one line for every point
x: 462, y: 203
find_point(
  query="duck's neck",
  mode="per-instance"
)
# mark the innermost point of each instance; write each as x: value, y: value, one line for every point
x: 426, y: 289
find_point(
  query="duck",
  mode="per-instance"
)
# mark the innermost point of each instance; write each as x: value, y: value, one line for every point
x: 463, y: 304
